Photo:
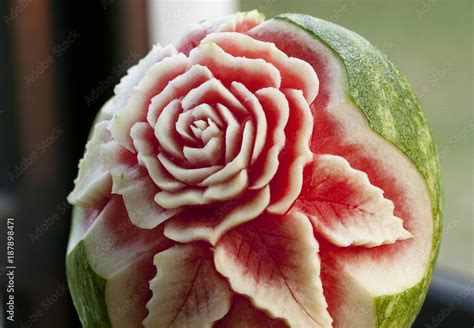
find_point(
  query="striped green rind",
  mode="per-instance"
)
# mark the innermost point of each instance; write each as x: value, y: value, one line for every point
x: 391, y: 109
x: 87, y: 288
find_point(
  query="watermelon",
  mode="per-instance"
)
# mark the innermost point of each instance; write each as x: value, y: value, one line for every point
x: 261, y: 173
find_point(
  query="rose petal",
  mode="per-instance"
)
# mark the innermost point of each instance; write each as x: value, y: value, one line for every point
x: 239, y: 163
x: 136, y: 189
x: 177, y: 88
x: 277, y: 112
x: 155, y: 80
x: 201, y: 124
x: 295, y: 73
x: 213, y: 92
x: 124, y: 89
x: 165, y: 129
x: 188, y: 175
x: 242, y: 21
x: 287, y: 183
x: 141, y: 135
x: 253, y: 73
x: 183, y: 126
x: 197, y: 132
x: 229, y: 189
x: 191, y: 196
x: 239, y: 22
x: 210, y: 223
x: 93, y: 182
x: 205, y: 112
x: 254, y: 107
x: 159, y: 175
x: 138, y: 198
x: 185, y: 197
x: 107, y: 111
x: 233, y: 133
x: 209, y: 155
x: 210, y: 132
x: 121, y: 163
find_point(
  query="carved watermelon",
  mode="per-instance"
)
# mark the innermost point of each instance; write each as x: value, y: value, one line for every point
x: 271, y: 173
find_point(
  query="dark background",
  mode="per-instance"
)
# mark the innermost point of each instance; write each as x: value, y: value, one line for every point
x: 59, y: 62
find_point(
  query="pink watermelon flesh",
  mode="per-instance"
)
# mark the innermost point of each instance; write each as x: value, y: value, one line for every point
x: 262, y: 253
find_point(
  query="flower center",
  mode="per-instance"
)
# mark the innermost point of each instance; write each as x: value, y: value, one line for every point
x: 201, y: 130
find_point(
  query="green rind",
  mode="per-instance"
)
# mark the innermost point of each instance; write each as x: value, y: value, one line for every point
x: 87, y: 288
x: 391, y: 109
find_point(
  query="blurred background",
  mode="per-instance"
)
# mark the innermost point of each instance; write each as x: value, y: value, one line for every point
x: 59, y: 62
